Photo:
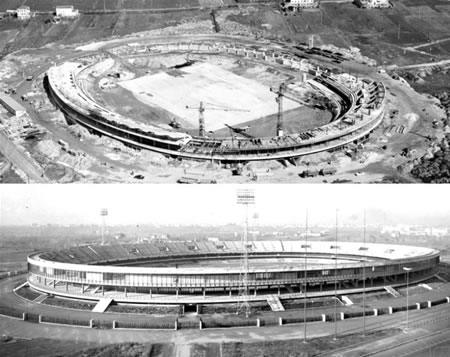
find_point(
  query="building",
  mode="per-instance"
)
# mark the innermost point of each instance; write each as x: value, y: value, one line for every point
x: 11, y: 105
x: 23, y: 13
x: 172, y: 272
x: 373, y: 4
x: 296, y: 5
x: 66, y: 11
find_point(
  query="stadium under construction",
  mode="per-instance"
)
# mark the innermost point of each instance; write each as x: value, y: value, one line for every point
x: 161, y: 73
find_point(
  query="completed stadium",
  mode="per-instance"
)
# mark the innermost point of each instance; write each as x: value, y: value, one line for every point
x: 252, y: 100
x: 192, y: 273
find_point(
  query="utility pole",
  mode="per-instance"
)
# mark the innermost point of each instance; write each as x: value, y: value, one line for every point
x: 244, y: 197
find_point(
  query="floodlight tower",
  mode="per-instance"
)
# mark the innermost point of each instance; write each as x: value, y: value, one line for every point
x: 244, y: 197
x: 103, y: 214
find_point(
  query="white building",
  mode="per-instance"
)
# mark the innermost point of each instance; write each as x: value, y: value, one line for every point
x: 66, y: 11
x: 295, y: 5
x: 23, y: 13
x: 373, y: 4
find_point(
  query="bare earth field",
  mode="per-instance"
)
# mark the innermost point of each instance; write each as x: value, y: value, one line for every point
x: 217, y: 88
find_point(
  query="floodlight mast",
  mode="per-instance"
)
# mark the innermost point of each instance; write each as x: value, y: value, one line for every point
x: 244, y: 197
x: 103, y: 214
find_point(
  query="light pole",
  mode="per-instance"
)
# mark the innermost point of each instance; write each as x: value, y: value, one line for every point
x: 407, y: 296
x: 306, y: 268
x: 335, y: 277
x: 244, y: 197
x: 364, y: 275
x: 103, y: 214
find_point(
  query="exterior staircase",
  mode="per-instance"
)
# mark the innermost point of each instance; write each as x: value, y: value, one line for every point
x: 275, y: 303
x: 392, y: 291
x: 102, y: 305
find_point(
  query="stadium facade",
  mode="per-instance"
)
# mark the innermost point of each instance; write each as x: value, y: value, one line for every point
x: 210, y: 272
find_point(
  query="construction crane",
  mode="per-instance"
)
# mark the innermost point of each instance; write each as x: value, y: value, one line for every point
x: 281, y: 92
x: 201, y: 116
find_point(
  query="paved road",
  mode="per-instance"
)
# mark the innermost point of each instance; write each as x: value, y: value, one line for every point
x: 19, y: 159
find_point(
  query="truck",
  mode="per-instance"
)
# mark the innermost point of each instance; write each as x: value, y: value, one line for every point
x: 309, y: 173
x: 327, y: 171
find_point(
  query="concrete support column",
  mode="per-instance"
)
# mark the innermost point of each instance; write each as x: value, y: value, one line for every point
x: 429, y: 303
x: 342, y: 315
x: 200, y: 324
x: 279, y: 291
x: 91, y: 323
x: 418, y: 305
x: 103, y: 290
x: 448, y: 299
x: 150, y: 293
x: 258, y: 323
x: 390, y: 310
x: 176, y: 293
x: 375, y: 312
x: 255, y: 290
x: 54, y: 283
x: 67, y: 286
x: 204, y: 293
x: 82, y: 288
x: 280, y: 321
x: 125, y: 291
x: 230, y: 292
x: 324, y: 318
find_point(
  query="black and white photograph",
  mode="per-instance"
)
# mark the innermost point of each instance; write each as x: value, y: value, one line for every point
x: 224, y: 91
x: 224, y: 178
x: 266, y: 270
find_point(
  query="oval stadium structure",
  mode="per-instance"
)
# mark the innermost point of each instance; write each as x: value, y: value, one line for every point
x: 355, y: 105
x: 168, y: 272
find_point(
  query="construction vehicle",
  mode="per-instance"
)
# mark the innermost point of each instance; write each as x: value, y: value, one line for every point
x: 327, y: 171
x: 201, y: 116
x: 309, y: 173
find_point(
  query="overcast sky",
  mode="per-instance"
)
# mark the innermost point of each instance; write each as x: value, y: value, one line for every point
x: 216, y: 204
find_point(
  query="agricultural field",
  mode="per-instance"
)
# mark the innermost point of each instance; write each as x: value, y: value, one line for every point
x: 82, y: 5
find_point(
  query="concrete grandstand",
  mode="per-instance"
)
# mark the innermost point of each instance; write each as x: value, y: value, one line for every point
x: 209, y: 272
x: 356, y: 104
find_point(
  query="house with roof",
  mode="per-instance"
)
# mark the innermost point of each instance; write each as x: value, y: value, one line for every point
x: 66, y: 11
x: 23, y: 13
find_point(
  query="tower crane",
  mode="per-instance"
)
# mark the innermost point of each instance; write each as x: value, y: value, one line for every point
x: 281, y: 92
x: 201, y: 114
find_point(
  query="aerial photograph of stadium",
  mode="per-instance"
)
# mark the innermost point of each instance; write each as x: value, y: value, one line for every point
x: 267, y: 270
x: 224, y: 91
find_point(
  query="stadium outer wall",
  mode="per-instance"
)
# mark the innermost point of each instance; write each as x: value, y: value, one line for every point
x: 111, y: 271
